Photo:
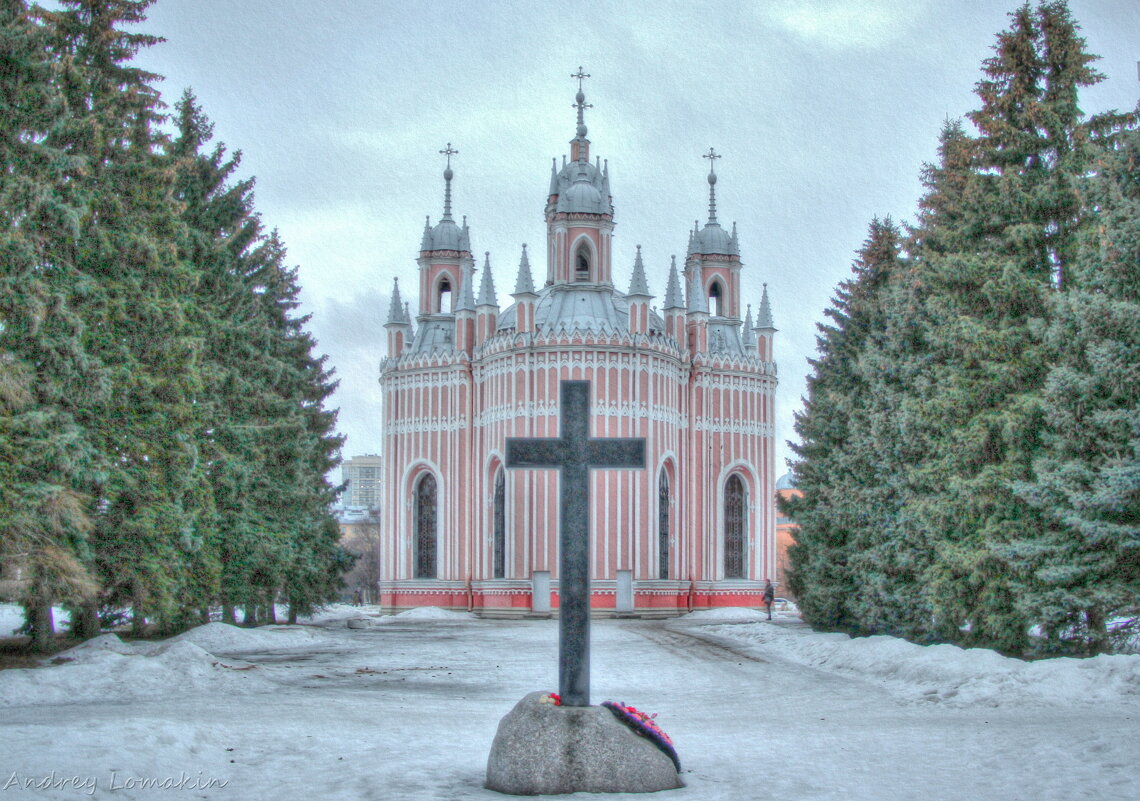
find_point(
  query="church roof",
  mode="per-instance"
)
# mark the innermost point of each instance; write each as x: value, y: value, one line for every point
x: 597, y: 308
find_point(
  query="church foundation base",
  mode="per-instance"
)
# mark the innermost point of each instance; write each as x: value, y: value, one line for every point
x: 512, y: 599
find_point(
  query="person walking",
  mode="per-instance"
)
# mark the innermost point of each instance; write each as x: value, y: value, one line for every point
x: 769, y: 596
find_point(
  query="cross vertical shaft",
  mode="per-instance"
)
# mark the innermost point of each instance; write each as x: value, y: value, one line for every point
x: 574, y: 453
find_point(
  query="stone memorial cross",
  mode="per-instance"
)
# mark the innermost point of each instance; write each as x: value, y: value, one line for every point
x: 574, y: 453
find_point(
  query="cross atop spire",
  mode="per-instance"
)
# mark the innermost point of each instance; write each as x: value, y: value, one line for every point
x: 712, y: 156
x: 447, y: 175
x: 449, y: 152
x: 581, y: 104
x: 580, y: 75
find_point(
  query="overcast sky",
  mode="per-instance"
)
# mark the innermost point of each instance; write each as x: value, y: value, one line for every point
x: 824, y: 112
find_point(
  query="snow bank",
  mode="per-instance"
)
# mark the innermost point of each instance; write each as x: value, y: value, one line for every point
x: 946, y: 673
x: 333, y: 613
x: 102, y: 673
x: 222, y: 638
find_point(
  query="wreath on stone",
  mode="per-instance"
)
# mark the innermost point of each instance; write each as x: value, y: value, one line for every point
x: 641, y: 723
x: 644, y: 724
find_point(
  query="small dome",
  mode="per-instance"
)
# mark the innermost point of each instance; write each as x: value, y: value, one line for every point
x: 446, y: 235
x: 785, y: 482
x: 712, y: 239
x: 582, y: 188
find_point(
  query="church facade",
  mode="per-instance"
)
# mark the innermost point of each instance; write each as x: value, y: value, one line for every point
x: 694, y: 529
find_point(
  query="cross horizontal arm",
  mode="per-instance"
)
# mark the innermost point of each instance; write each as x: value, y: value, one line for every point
x: 616, y: 452
x: 529, y: 452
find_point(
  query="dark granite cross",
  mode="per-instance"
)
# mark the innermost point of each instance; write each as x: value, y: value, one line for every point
x: 574, y: 453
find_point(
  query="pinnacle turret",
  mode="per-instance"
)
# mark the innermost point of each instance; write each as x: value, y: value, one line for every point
x: 524, y: 284
x: 397, y: 312
x: 764, y: 315
x: 487, y: 284
x: 637, y: 284
x: 749, y: 336
x: 697, y: 300
x: 466, y: 290
x: 673, y: 298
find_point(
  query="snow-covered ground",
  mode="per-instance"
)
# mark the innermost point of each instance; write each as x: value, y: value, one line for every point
x: 405, y: 709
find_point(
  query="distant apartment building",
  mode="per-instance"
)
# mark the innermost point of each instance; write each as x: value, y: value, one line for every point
x: 362, y: 474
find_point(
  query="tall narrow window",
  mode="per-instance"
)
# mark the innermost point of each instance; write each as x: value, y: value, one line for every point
x: 425, y: 543
x: 582, y: 263
x: 444, y: 304
x: 715, y: 297
x: 499, y: 552
x: 734, y: 527
x: 663, y: 525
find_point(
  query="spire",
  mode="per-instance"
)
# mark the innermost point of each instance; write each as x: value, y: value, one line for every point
x: 447, y: 175
x: 712, y: 156
x: 466, y: 290
x: 697, y: 300
x: 581, y: 145
x: 764, y: 315
x: 553, y: 177
x: 396, y: 312
x: 749, y: 334
x: 524, y: 284
x: 487, y: 286
x: 637, y: 284
x: 733, y: 242
x: 673, y: 289
x: 425, y: 241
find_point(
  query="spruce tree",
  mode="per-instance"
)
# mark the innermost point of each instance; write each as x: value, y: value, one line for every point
x: 1087, y: 566
x: 135, y: 313
x: 45, y: 373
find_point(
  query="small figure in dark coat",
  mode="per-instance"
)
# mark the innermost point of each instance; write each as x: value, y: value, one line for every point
x: 769, y: 596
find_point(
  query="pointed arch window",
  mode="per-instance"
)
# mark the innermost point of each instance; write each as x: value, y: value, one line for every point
x: 582, y: 263
x: 663, y: 525
x: 734, y: 510
x: 424, y: 548
x: 444, y: 296
x: 716, y: 296
x: 499, y: 527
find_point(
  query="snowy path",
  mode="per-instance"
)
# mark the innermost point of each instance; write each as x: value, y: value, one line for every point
x: 407, y: 711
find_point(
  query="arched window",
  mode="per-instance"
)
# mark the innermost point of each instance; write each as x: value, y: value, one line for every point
x: 499, y: 523
x: 582, y: 263
x: 715, y: 297
x: 425, y: 527
x: 663, y: 525
x: 444, y: 296
x: 734, y: 507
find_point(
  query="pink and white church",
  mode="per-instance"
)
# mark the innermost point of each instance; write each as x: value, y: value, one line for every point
x: 695, y: 529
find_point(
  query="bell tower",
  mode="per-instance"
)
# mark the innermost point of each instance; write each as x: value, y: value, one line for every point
x: 580, y: 212
x: 714, y: 258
